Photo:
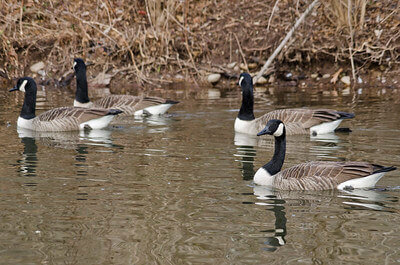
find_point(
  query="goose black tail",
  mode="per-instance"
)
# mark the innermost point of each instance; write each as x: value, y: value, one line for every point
x: 173, y: 102
x: 114, y: 112
x: 343, y: 130
x: 345, y: 115
x: 384, y: 169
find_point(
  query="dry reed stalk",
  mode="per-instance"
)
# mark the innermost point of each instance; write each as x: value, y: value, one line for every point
x: 339, y: 8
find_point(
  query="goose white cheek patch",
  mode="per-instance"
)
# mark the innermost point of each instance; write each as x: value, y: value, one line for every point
x: 279, y: 131
x: 22, y: 86
x: 240, y: 80
x: 74, y: 65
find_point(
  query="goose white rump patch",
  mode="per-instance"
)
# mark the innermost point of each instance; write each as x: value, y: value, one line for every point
x: 154, y: 110
x: 326, y: 127
x: 365, y: 182
x: 99, y: 123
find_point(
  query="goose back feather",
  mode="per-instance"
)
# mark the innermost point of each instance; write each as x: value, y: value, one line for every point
x: 69, y: 118
x: 322, y: 175
x: 130, y: 105
x: 300, y: 121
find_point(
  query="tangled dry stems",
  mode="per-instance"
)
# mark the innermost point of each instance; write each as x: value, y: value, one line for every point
x: 146, y: 39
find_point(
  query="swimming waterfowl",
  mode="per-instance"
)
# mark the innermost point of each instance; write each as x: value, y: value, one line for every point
x: 297, y: 121
x: 130, y: 105
x: 315, y: 175
x: 58, y: 119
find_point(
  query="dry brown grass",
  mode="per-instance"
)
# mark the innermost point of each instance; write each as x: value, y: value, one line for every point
x: 105, y: 31
x: 339, y: 9
x: 145, y: 40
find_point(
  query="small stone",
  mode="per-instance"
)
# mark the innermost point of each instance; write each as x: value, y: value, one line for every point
x: 231, y: 65
x: 345, y: 80
x: 243, y: 66
x: 214, y: 93
x: 271, y: 79
x: 252, y: 65
x: 213, y: 78
x: 313, y: 76
x: 260, y: 89
x: 346, y: 91
x: 42, y: 72
x: 262, y: 80
x: 236, y: 68
x: 37, y: 67
x: 325, y: 76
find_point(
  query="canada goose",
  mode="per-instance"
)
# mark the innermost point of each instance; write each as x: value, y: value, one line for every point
x: 130, y: 105
x: 298, y: 121
x: 316, y: 175
x: 58, y: 119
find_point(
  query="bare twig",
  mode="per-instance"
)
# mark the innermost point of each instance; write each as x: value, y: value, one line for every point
x: 272, y: 13
x: 241, y: 52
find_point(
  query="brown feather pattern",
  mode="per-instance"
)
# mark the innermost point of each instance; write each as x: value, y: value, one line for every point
x: 297, y: 121
x: 66, y: 118
x: 127, y: 103
x: 321, y: 175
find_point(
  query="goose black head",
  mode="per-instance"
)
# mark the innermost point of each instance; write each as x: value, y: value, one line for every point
x: 79, y: 64
x: 245, y: 81
x: 273, y: 127
x: 24, y: 84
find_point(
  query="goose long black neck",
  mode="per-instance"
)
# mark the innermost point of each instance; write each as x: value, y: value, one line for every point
x: 29, y: 106
x: 246, y: 110
x: 276, y: 163
x: 81, y: 94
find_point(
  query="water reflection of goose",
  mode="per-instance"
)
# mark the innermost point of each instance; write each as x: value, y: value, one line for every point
x: 157, y: 123
x: 28, y: 161
x: 316, y: 175
x: 246, y: 154
x: 69, y: 140
x: 366, y: 198
x: 268, y: 197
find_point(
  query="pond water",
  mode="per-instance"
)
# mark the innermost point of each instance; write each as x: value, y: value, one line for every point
x: 178, y: 189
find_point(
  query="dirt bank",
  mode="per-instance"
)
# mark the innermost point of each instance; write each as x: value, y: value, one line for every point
x: 153, y: 42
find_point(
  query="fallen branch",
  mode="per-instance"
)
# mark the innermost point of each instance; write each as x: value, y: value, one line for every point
x: 351, y: 40
x: 285, y: 40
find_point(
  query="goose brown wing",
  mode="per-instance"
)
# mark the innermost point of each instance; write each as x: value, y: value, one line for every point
x: 127, y: 103
x: 298, y: 121
x: 66, y: 118
x: 81, y: 114
x: 321, y: 175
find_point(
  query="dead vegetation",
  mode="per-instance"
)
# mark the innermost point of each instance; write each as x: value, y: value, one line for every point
x: 155, y: 41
